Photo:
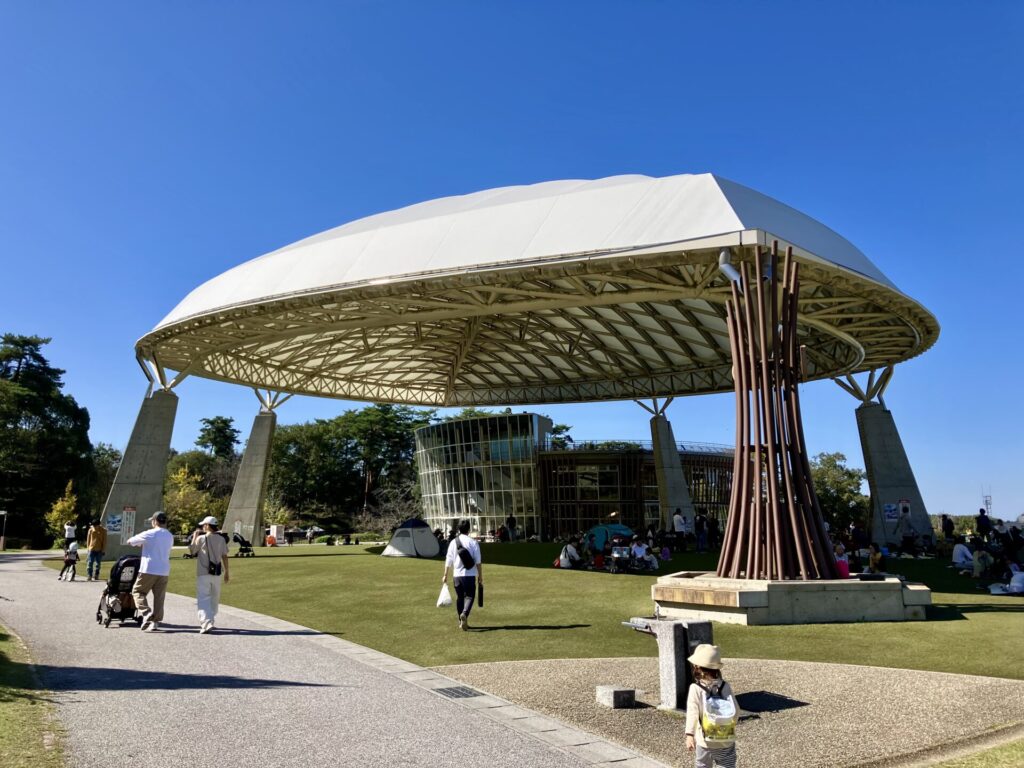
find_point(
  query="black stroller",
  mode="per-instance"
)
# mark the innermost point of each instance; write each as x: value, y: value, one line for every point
x: 244, y: 547
x: 117, y: 602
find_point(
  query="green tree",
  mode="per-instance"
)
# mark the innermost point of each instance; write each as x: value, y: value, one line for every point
x: 469, y: 413
x: 560, y: 437
x: 215, y: 475
x: 44, y: 437
x: 106, y: 460
x: 62, y: 511
x: 219, y: 436
x: 839, y: 490
x: 327, y: 470
x: 186, y: 503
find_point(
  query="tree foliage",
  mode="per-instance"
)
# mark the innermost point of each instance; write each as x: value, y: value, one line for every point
x: 839, y: 490
x: 327, y: 470
x: 61, y: 512
x: 186, y: 503
x: 218, y: 436
x: 560, y: 437
x: 44, y: 439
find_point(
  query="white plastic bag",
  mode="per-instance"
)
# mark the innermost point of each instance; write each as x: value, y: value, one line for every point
x: 445, y: 598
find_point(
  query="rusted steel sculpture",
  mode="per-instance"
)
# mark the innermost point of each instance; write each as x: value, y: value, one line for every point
x: 775, y: 528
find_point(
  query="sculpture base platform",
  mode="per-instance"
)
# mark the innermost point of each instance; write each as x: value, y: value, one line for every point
x: 702, y: 595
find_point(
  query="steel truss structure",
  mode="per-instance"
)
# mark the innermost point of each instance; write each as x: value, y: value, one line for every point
x: 775, y: 528
x: 585, y: 327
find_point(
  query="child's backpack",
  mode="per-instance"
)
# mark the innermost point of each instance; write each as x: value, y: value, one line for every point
x: 718, y: 720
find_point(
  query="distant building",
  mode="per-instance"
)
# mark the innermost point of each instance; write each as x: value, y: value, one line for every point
x: 486, y: 468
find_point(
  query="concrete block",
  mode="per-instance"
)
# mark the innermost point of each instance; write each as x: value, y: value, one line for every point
x: 616, y: 698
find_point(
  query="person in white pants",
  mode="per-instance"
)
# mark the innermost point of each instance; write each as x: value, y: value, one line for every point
x: 211, y: 551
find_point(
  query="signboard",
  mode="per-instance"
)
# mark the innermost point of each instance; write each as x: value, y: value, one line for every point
x: 127, y: 524
x: 113, y: 523
x: 891, y: 511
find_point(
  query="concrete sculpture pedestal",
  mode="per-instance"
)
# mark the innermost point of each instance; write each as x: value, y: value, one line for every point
x: 702, y: 595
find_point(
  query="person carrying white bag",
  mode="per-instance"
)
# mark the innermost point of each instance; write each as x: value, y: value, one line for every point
x: 464, y: 559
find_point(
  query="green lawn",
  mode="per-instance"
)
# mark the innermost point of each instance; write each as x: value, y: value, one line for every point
x: 1007, y: 756
x: 29, y: 735
x: 534, y: 611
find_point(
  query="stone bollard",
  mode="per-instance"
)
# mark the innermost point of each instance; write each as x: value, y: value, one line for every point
x: 676, y: 641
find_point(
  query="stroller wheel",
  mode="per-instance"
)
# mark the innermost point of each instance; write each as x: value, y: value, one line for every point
x: 106, y: 622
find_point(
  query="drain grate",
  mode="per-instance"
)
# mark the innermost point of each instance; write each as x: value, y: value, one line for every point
x: 458, y: 692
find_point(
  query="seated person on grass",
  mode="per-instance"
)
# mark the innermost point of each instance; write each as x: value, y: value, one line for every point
x: 962, y: 556
x: 876, y: 560
x: 570, y: 557
x: 642, y: 555
x: 983, y: 560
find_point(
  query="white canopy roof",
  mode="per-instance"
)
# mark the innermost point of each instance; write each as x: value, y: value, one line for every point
x: 516, y: 225
x: 560, y: 291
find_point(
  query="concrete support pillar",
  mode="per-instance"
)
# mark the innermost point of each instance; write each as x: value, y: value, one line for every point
x: 893, y: 488
x: 245, y: 510
x: 139, y: 484
x: 890, y: 477
x: 672, y: 490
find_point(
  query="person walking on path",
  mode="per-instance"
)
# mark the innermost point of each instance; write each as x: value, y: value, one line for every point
x: 211, y: 552
x: 96, y: 544
x: 711, y: 711
x: 70, y: 561
x: 156, y: 546
x: 464, y: 559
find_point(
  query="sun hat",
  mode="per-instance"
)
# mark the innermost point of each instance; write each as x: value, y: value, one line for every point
x: 208, y: 520
x: 706, y: 656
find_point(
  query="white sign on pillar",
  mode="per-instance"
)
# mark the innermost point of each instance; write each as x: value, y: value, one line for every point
x: 127, y: 524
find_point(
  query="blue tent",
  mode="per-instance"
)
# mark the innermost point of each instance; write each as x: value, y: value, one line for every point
x: 604, y: 532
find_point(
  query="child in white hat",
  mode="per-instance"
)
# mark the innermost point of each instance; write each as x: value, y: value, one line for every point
x: 711, y: 711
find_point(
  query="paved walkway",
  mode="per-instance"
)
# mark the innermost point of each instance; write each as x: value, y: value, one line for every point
x: 268, y: 692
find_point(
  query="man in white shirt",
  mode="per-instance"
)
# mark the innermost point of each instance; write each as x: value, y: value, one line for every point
x: 464, y: 559
x: 69, y: 533
x: 156, y: 546
x: 679, y: 528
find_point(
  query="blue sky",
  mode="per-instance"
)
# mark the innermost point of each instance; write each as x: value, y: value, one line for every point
x: 145, y: 148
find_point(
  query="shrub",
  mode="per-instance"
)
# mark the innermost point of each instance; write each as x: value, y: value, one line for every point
x: 328, y: 540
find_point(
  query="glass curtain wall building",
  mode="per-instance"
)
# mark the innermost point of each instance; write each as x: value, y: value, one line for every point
x: 482, y: 469
x: 489, y: 467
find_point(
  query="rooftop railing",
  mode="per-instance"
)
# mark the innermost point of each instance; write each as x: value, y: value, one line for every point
x: 561, y: 444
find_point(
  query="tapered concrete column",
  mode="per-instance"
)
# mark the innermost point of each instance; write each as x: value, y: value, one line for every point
x: 891, y: 480
x: 673, y: 492
x: 245, y: 510
x: 890, y: 477
x: 139, y: 483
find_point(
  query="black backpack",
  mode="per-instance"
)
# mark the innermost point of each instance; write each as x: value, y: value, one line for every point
x: 464, y: 554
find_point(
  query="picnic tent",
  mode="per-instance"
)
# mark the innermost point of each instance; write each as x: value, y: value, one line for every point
x: 602, y: 533
x: 413, y: 538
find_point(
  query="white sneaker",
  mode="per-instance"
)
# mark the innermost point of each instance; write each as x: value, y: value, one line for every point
x: 150, y: 626
x: 205, y: 628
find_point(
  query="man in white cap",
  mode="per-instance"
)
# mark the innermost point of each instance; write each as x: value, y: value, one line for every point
x: 154, y: 570
x: 211, y: 552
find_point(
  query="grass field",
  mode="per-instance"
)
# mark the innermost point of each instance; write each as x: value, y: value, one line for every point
x: 533, y: 611
x: 1006, y: 756
x: 29, y: 735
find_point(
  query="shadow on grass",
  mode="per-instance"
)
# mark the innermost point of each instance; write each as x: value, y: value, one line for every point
x: 957, y: 611
x: 527, y: 626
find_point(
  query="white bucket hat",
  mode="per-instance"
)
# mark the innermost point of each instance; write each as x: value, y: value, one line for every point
x: 706, y: 656
x: 208, y: 520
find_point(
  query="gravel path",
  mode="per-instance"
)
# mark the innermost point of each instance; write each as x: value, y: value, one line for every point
x: 825, y: 714
x: 259, y: 693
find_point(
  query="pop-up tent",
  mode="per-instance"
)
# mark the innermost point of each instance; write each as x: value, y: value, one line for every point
x: 412, y: 538
x: 604, y: 532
